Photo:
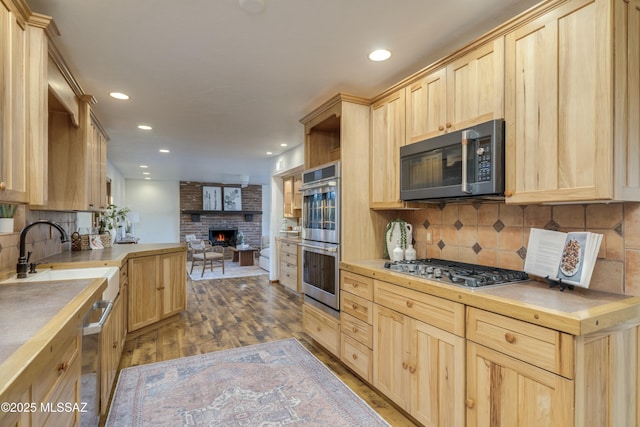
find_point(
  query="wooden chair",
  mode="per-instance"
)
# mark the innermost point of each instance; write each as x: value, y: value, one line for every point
x: 188, y: 238
x: 202, y: 251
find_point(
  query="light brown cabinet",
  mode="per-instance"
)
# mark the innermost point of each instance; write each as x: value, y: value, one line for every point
x: 113, y: 336
x: 322, y: 327
x: 467, y: 91
x: 157, y: 288
x: 288, y: 257
x: 418, y: 365
x: 292, y: 197
x: 23, y: 48
x: 570, y: 97
x: 387, y: 136
x: 356, y: 324
x: 77, y: 160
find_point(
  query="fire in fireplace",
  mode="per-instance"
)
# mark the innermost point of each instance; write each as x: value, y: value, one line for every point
x: 223, y: 236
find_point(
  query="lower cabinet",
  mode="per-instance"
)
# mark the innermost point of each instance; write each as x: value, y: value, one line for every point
x: 288, y: 255
x: 114, y: 334
x: 322, y: 327
x: 157, y: 288
x: 505, y: 391
x: 419, y: 367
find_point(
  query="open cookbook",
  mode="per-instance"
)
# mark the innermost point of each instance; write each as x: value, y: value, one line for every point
x: 568, y: 258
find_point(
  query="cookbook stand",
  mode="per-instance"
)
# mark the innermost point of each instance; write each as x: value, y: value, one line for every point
x: 561, y: 285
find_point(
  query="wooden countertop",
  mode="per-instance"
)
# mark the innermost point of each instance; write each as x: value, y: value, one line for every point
x: 31, y: 314
x: 113, y: 256
x: 577, y: 312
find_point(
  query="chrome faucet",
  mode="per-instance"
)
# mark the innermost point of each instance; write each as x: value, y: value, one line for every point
x: 23, y: 260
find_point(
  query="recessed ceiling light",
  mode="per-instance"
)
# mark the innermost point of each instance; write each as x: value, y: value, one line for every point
x: 144, y: 127
x: 163, y: 150
x: 283, y: 145
x: 380, y: 55
x: 119, y: 95
x: 269, y: 153
x: 144, y: 166
x: 146, y: 173
x: 146, y: 177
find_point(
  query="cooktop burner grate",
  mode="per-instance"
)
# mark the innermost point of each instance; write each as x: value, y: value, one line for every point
x: 457, y: 273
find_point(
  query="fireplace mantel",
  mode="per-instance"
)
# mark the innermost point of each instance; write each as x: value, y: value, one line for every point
x: 195, y: 214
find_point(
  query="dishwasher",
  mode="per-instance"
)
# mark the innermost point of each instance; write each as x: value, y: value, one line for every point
x: 92, y: 330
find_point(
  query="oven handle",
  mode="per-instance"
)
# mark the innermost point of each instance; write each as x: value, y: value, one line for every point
x: 95, y: 327
x: 466, y: 135
x: 306, y: 245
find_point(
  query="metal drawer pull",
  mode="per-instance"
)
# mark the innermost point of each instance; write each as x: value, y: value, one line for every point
x: 510, y: 338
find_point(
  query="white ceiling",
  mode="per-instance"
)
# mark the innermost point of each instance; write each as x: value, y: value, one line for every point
x: 222, y: 86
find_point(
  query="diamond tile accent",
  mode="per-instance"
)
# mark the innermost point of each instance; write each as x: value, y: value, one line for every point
x: 426, y: 223
x: 458, y: 225
x: 476, y: 248
x: 618, y: 229
x: 522, y: 252
x: 498, y: 226
x: 441, y: 244
x: 552, y: 225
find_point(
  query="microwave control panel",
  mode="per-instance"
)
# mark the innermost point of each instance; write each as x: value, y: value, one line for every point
x: 483, y: 160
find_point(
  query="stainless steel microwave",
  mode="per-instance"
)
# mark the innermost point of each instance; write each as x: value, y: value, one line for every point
x: 464, y: 163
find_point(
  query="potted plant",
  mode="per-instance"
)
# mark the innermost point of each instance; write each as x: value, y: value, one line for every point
x: 111, y: 218
x: 6, y: 217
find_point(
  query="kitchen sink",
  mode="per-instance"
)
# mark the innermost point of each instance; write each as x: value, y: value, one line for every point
x: 49, y: 275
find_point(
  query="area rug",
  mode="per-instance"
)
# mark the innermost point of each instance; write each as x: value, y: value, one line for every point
x: 231, y: 269
x: 279, y: 383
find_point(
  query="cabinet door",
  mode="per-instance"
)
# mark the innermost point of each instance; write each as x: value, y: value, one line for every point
x: 173, y: 283
x: 96, y: 162
x: 287, y: 196
x: 507, y: 392
x: 297, y: 194
x: 427, y: 107
x: 387, y: 135
x: 392, y: 355
x: 438, y: 376
x: 558, y: 105
x: 475, y: 86
x: 144, y: 300
x: 13, y: 108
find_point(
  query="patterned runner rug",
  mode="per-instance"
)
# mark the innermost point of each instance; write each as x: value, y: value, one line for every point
x: 271, y: 384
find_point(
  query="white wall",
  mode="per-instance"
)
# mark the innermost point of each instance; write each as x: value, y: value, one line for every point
x: 158, y: 204
x: 282, y: 165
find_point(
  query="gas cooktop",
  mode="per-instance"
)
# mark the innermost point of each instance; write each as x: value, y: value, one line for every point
x: 457, y: 273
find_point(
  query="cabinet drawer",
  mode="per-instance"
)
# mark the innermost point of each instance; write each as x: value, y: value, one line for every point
x: 357, y: 329
x: 288, y: 269
x: 543, y: 347
x: 357, y: 284
x: 289, y: 258
x: 289, y: 248
x: 64, y: 393
x: 357, y: 356
x: 57, y: 364
x: 322, y: 328
x: 441, y: 313
x: 357, y: 307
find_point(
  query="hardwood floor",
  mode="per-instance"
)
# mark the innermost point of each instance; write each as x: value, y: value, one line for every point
x: 229, y: 313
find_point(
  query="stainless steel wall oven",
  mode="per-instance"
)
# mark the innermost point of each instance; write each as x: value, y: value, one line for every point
x: 321, y: 235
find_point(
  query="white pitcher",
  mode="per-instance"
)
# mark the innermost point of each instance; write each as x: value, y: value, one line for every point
x: 395, y: 231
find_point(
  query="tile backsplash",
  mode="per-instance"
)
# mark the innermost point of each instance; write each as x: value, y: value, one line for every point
x: 42, y: 241
x: 496, y: 234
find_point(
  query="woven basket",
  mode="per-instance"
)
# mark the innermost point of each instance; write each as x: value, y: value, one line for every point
x: 84, y: 241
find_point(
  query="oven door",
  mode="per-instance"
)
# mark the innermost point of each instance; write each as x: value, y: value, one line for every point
x: 320, y: 273
x: 320, y: 211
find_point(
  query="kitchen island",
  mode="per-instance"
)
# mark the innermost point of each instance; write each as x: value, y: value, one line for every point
x: 517, y: 353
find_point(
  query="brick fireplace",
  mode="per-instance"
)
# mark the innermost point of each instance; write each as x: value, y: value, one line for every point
x: 223, y: 236
x: 194, y: 220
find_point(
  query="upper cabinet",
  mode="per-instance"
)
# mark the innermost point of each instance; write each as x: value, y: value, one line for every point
x: 292, y: 197
x: 387, y: 136
x: 464, y: 92
x: 572, y: 96
x: 22, y: 103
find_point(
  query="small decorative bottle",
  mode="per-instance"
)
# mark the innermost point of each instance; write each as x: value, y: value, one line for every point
x: 410, y: 253
x: 398, y: 254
